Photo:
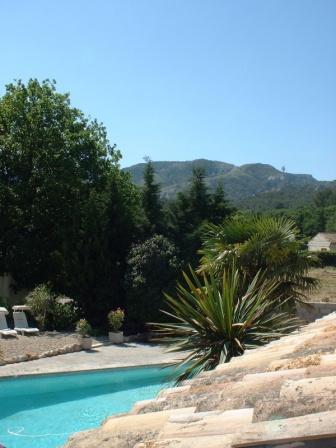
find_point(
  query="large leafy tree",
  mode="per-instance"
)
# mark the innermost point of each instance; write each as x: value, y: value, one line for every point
x: 259, y: 243
x: 51, y: 158
x: 68, y: 214
x: 214, y: 321
x: 94, y: 273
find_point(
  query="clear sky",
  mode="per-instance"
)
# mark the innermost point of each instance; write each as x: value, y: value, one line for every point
x: 234, y: 80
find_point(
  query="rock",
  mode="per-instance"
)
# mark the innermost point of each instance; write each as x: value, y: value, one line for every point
x: 226, y: 422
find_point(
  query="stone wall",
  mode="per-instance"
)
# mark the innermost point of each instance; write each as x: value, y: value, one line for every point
x: 8, y: 291
x: 314, y: 310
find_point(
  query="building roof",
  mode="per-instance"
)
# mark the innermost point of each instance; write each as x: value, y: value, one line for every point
x: 282, y: 392
x: 331, y: 237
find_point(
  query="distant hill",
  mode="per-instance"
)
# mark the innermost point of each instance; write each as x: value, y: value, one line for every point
x: 256, y: 181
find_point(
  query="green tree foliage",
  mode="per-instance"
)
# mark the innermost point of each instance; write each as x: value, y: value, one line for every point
x: 152, y: 267
x: 151, y: 201
x: 199, y: 196
x: 215, y: 320
x: 191, y: 210
x: 51, y: 158
x: 68, y: 214
x: 220, y: 207
x: 259, y: 243
x: 50, y: 314
x: 325, y: 198
x: 112, y: 221
x: 41, y: 302
x: 310, y: 220
x: 330, y: 214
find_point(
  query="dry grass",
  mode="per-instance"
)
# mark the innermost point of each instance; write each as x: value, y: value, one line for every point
x: 327, y: 290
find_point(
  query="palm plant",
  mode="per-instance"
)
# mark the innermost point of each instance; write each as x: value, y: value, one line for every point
x: 260, y: 243
x: 214, y: 321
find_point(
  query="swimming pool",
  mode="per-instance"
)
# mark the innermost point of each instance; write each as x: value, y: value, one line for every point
x: 42, y: 411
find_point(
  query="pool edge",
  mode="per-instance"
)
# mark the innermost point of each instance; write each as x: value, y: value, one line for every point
x: 101, y: 369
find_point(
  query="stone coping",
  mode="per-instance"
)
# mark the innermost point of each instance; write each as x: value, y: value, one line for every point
x: 103, y: 357
x: 84, y: 371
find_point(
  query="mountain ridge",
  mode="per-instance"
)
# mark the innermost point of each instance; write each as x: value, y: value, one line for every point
x: 239, y: 182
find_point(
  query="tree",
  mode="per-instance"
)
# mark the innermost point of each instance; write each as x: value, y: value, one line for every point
x: 191, y: 210
x: 214, y: 319
x: 152, y: 267
x: 331, y: 219
x: 259, y: 243
x: 151, y: 200
x: 199, y: 196
x: 112, y: 221
x: 51, y: 159
x: 68, y: 214
x: 325, y: 198
x: 220, y: 207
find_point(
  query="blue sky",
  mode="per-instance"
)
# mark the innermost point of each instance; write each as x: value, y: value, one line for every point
x: 239, y: 81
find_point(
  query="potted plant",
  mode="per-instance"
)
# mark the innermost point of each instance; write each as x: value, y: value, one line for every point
x: 115, y: 319
x: 84, y: 330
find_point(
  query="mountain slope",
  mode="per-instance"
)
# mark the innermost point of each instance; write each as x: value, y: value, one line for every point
x: 240, y: 182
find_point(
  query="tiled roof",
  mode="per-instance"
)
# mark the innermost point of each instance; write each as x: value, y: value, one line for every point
x: 329, y: 236
x: 282, y: 392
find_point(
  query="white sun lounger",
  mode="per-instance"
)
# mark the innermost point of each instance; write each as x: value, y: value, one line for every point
x: 4, y: 330
x: 21, y: 324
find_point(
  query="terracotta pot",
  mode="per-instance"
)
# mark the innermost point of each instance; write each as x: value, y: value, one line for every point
x: 86, y: 343
x: 116, y: 337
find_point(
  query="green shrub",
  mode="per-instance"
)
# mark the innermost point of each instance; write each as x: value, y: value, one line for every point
x: 83, y: 328
x: 64, y: 316
x: 214, y: 320
x: 115, y: 319
x: 327, y: 258
x: 42, y: 302
x: 152, y: 267
x: 49, y: 314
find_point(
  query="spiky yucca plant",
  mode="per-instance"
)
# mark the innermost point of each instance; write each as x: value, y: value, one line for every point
x: 214, y: 321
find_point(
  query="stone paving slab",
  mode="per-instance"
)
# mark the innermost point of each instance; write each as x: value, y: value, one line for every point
x: 102, y: 357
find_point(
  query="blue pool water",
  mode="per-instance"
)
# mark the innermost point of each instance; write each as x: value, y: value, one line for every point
x: 42, y: 411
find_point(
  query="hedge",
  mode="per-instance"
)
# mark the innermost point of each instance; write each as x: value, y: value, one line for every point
x: 327, y: 258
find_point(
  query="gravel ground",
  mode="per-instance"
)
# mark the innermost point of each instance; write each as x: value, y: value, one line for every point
x: 23, y: 345
x: 327, y: 290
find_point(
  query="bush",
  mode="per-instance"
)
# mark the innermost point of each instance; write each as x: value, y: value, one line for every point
x: 84, y: 328
x: 327, y: 258
x: 64, y: 316
x: 49, y: 314
x: 152, y: 268
x: 41, y: 302
x: 116, y: 319
x: 212, y: 320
